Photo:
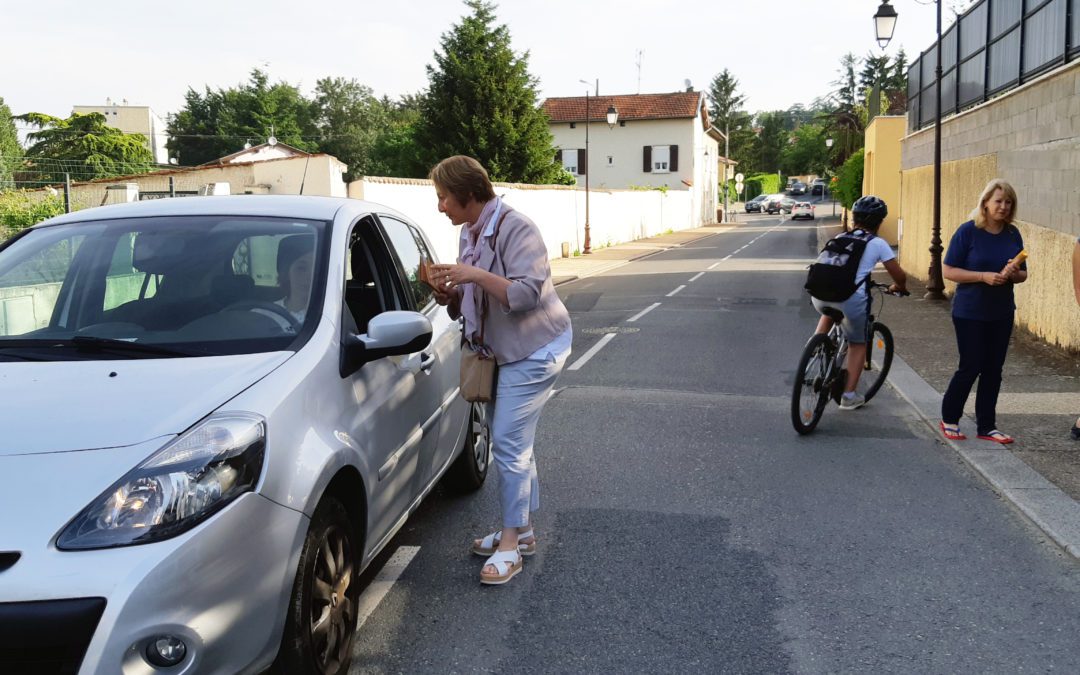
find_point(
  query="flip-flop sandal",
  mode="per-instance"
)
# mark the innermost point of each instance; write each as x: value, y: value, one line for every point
x: 997, y: 437
x: 489, y: 544
x: 507, y: 563
x: 952, y: 432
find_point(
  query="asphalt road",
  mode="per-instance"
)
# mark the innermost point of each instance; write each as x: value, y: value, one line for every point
x: 684, y: 524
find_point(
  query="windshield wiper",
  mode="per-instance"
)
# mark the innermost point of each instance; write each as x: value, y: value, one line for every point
x: 93, y: 342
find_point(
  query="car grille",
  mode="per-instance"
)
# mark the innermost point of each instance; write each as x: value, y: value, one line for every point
x: 48, y: 637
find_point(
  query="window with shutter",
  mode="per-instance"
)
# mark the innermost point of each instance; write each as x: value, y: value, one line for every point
x: 569, y: 159
x: 673, y: 151
x: 646, y: 164
x: 582, y: 161
x: 661, y: 158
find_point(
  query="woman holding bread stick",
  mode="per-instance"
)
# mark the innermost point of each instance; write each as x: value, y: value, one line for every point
x: 986, y: 259
x: 501, y: 287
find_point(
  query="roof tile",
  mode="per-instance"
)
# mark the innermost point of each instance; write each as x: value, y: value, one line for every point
x: 630, y: 106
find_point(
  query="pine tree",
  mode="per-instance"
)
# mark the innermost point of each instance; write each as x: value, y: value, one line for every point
x: 482, y: 102
x: 84, y: 147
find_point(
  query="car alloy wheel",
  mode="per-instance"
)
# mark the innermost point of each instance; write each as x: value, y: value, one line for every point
x: 481, y: 437
x: 333, y: 613
x: 471, y: 467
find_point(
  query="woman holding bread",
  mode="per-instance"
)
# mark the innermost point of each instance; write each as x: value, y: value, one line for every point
x: 986, y: 259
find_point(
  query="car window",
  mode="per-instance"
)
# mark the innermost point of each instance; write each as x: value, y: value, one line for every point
x: 30, y: 283
x: 209, y: 284
x: 411, y: 252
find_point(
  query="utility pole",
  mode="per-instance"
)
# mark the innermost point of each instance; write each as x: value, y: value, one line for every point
x: 727, y: 146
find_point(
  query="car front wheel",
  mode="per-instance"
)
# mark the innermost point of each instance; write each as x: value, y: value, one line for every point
x: 471, y: 467
x: 323, y: 612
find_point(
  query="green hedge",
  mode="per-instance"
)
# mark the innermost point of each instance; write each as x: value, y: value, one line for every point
x: 18, y: 210
x: 762, y: 184
x: 849, y: 184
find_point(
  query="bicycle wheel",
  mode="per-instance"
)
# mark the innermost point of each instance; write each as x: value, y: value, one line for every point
x: 875, y: 372
x: 810, y: 394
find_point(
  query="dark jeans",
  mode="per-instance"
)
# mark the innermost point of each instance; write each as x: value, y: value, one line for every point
x: 982, y: 346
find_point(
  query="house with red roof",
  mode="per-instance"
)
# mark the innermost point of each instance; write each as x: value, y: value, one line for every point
x: 658, y: 140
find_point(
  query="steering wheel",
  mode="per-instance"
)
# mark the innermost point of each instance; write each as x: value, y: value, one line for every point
x: 248, y: 305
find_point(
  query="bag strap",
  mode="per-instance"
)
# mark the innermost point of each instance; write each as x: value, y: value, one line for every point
x: 484, y: 301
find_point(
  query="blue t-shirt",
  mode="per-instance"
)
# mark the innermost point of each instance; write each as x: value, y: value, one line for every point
x: 977, y: 250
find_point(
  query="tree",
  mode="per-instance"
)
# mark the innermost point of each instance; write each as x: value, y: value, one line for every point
x: 482, y: 102
x: 807, y: 153
x: 772, y: 140
x: 349, y: 120
x: 848, y: 186
x: 218, y: 123
x: 84, y: 147
x: 725, y: 103
x: 395, y: 152
x: 10, y: 150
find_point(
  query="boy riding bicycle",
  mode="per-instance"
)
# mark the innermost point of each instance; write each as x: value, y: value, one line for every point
x: 868, y: 213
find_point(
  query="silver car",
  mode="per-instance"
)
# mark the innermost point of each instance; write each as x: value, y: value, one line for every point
x: 216, y: 412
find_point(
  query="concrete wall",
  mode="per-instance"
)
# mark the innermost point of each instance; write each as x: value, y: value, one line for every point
x: 615, y: 216
x: 881, y: 176
x: 1030, y: 137
x: 134, y: 119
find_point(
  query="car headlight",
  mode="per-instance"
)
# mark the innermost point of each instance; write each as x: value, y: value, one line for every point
x: 176, y: 488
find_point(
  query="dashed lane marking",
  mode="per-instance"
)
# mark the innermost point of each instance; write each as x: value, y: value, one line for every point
x: 592, y: 352
x: 676, y: 290
x: 643, y: 312
x: 371, y: 597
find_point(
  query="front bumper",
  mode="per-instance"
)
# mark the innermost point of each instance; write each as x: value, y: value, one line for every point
x: 222, y: 588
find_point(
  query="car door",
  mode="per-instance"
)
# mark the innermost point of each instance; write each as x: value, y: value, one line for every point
x: 442, y: 357
x: 388, y: 400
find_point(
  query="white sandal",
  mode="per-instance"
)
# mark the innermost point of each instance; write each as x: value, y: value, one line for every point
x: 506, y: 563
x: 489, y: 544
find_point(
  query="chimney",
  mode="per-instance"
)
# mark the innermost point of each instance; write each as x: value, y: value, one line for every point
x: 108, y: 100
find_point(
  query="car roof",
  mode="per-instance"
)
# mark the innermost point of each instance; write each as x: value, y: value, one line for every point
x: 281, y: 206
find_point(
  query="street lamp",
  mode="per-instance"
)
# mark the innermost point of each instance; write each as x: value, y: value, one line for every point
x: 884, y: 23
x: 612, y: 116
x: 587, y: 248
x: 825, y: 186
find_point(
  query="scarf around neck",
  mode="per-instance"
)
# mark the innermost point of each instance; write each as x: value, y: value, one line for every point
x: 472, y: 297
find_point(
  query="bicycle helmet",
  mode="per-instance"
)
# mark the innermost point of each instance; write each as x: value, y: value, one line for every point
x: 869, y: 210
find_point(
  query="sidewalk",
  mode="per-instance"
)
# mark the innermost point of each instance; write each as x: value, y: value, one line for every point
x: 1040, y: 398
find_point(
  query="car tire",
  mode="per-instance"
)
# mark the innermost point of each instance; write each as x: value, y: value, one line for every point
x: 470, y: 469
x: 303, y: 650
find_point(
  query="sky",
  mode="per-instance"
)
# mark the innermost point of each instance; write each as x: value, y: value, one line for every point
x: 781, y: 51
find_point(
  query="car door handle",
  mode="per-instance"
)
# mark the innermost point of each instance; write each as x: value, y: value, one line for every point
x: 427, y: 360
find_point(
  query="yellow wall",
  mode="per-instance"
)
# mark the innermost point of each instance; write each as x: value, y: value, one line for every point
x: 881, y: 174
x: 1045, y: 304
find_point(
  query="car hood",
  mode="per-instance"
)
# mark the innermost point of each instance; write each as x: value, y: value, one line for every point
x: 62, y: 406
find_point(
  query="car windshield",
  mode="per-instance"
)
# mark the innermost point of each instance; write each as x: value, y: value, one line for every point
x: 160, y: 287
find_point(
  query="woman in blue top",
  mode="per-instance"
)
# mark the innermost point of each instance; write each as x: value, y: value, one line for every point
x: 980, y: 261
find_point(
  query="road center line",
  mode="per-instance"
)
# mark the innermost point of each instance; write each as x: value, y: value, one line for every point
x: 643, y: 312
x: 676, y: 291
x: 713, y: 266
x: 384, y: 580
x: 608, y: 337
x: 696, y: 277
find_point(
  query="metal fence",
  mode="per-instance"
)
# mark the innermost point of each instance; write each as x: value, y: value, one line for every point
x: 995, y: 46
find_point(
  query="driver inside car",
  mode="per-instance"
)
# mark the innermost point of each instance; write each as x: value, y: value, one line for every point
x: 295, y: 270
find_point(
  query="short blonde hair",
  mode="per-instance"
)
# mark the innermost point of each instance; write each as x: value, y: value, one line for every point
x: 979, y: 214
x: 462, y: 177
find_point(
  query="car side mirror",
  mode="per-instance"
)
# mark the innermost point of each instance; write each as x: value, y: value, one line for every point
x: 389, y: 334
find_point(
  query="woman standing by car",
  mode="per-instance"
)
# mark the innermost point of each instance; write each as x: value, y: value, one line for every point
x: 981, y: 260
x: 503, y: 268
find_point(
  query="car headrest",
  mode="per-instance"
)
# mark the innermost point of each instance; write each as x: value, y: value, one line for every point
x: 158, y: 252
x: 290, y: 249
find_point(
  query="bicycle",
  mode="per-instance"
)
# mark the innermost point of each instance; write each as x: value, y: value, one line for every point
x: 822, y: 374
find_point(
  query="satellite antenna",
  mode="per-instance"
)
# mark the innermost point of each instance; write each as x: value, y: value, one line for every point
x: 689, y: 86
x: 272, y: 141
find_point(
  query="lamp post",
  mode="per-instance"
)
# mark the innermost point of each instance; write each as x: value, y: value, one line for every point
x: 825, y: 185
x: 884, y: 24
x: 587, y: 248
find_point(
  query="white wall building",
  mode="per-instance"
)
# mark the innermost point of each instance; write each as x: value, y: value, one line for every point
x: 659, y: 140
x: 133, y: 119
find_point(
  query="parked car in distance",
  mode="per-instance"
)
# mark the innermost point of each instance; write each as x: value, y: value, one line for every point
x: 778, y: 203
x: 802, y: 210
x: 798, y: 188
x: 754, y: 205
x: 227, y: 407
x: 818, y: 187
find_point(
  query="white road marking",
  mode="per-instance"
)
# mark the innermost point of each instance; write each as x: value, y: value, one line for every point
x: 713, y: 266
x: 696, y: 277
x: 592, y: 352
x: 643, y: 312
x: 384, y: 580
x: 676, y: 290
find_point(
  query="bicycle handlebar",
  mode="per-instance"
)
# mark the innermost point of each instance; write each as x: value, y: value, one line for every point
x: 870, y: 283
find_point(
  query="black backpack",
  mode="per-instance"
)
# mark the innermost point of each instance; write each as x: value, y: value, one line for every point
x: 832, y: 275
